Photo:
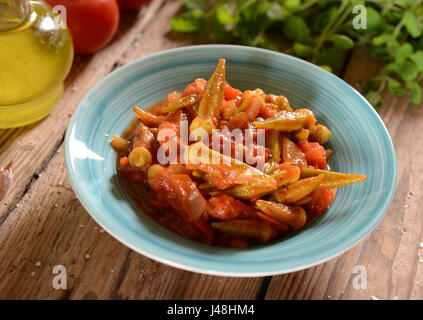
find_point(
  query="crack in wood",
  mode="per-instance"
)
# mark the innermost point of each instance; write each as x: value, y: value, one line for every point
x: 263, y: 288
x: 122, y: 274
x: 313, y: 271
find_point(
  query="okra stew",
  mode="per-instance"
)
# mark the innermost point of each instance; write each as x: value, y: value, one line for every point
x: 226, y: 167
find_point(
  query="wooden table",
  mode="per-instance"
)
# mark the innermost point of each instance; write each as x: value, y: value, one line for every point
x: 42, y: 223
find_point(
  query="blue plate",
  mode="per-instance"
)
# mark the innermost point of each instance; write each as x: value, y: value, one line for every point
x: 360, y: 142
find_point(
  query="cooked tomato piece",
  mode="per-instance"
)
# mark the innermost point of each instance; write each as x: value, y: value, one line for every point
x: 231, y: 93
x: 196, y: 87
x: 267, y: 111
x: 123, y: 161
x: 173, y: 97
x: 239, y: 120
x: 254, y: 106
x: 292, y: 172
x: 315, y: 153
x: 188, y: 197
x: 228, y: 109
x: 180, y: 191
x: 171, y: 131
x: 225, y: 207
x: 320, y: 202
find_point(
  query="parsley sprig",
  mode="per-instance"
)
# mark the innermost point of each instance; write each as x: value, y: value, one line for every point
x: 323, y: 31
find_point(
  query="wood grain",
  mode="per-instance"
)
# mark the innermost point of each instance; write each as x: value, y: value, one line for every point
x: 391, y: 253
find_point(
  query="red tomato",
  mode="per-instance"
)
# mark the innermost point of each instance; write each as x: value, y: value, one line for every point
x: 231, y: 93
x: 180, y: 192
x: 92, y: 23
x: 321, y: 200
x: 196, y: 87
x: 132, y: 4
x: 228, y: 109
x: 226, y: 207
x: 267, y: 111
x: 187, y: 196
x: 315, y: 153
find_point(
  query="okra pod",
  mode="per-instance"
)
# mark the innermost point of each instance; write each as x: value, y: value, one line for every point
x: 280, y: 226
x: 270, y: 167
x: 206, y: 186
x: 278, y: 174
x: 140, y: 157
x: 154, y: 171
x: 281, y: 102
x: 252, y: 229
x: 211, y: 101
x: 303, y: 201
x: 252, y: 191
x: 320, y: 134
x: 293, y: 216
x: 302, y: 134
x: 184, y: 102
x: 288, y: 121
x: 119, y: 144
x: 298, y: 190
x: 274, y: 144
x: 147, y: 118
x: 333, y: 179
x: 225, y: 172
x: 198, y: 174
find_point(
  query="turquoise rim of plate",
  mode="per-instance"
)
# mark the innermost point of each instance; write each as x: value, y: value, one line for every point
x: 360, y: 141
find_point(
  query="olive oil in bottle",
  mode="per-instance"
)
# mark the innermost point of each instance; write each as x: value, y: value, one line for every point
x: 36, y: 54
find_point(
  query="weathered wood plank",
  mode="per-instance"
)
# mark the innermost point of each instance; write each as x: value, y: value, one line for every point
x: 391, y: 253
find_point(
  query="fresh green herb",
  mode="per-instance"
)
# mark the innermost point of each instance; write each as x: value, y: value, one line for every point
x: 323, y: 31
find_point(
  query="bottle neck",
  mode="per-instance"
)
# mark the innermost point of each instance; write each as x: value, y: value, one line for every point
x: 13, y: 13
